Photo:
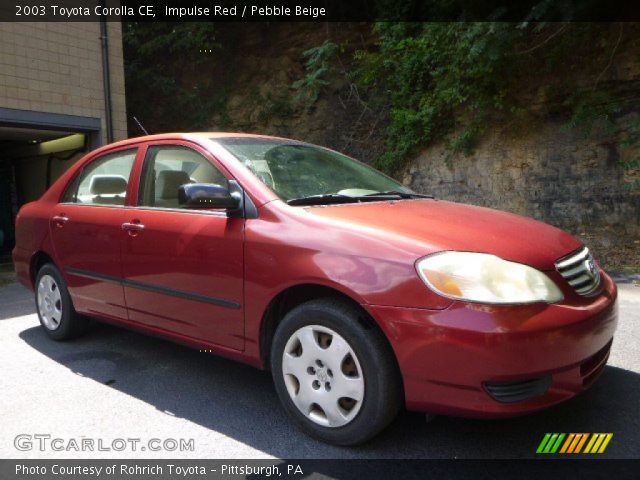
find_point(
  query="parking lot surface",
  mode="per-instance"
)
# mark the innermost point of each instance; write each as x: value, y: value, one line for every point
x: 115, y: 384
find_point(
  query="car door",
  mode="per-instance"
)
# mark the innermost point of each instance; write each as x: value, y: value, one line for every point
x: 183, y: 269
x: 86, y: 230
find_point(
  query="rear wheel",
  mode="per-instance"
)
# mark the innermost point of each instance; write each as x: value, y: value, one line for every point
x: 54, y: 307
x: 335, y: 376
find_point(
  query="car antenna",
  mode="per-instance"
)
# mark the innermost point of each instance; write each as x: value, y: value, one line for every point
x: 140, y: 125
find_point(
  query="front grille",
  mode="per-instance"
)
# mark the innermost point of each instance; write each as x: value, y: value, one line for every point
x: 580, y: 270
x: 509, y: 392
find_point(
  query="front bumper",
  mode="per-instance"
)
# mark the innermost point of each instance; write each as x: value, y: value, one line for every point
x: 450, y: 359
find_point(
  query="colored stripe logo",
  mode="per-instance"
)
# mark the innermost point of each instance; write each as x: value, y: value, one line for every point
x: 574, y: 442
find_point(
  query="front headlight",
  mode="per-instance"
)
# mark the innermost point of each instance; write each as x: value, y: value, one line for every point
x: 485, y: 278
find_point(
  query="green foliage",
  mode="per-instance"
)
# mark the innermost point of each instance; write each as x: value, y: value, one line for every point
x: 164, y: 38
x: 317, y: 68
x: 444, y: 81
x: 591, y: 111
x: 168, y: 95
x: 442, y: 77
x: 422, y: 82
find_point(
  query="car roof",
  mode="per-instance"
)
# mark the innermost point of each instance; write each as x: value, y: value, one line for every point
x: 189, y: 136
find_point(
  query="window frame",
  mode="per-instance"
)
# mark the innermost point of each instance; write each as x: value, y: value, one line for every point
x: 139, y: 170
x: 74, y: 183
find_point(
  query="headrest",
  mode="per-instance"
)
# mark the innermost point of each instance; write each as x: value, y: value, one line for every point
x: 108, y: 185
x: 169, y: 181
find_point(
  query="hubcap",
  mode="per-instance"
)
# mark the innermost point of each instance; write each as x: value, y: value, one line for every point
x: 49, y: 302
x: 323, y: 376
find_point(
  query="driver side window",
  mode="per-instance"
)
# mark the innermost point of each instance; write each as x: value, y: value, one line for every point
x: 167, y: 167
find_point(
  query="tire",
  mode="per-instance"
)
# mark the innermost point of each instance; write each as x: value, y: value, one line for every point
x: 58, y: 318
x: 344, y: 387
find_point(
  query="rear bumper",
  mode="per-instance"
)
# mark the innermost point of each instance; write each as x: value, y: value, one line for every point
x: 493, y: 361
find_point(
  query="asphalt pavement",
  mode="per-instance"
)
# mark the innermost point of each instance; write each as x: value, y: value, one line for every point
x: 113, y: 384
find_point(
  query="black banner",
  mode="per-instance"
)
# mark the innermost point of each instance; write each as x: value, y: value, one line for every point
x: 318, y: 10
x: 158, y: 469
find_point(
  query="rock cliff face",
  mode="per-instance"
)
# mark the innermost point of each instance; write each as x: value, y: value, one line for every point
x: 551, y: 173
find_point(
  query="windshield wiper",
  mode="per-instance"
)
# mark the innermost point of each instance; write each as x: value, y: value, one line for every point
x: 330, y: 198
x: 398, y: 194
x: 324, y: 198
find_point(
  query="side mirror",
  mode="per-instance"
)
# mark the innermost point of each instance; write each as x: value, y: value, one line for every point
x: 207, y: 195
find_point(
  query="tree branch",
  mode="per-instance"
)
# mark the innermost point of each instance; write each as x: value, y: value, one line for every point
x: 554, y: 34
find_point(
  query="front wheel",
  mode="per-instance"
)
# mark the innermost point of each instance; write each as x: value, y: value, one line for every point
x: 334, y: 374
x: 55, y: 309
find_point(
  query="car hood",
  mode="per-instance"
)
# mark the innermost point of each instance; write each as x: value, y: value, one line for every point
x: 435, y: 225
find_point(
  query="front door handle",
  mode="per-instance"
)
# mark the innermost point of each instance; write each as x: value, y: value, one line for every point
x: 132, y: 227
x: 59, y: 220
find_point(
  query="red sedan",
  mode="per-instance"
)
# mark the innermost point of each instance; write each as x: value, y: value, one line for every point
x: 359, y: 294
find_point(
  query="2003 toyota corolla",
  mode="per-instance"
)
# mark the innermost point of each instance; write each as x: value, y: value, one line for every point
x: 359, y: 295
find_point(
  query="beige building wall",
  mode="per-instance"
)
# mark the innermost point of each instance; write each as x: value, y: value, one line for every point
x: 56, y: 67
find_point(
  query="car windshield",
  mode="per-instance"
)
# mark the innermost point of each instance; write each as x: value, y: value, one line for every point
x: 298, y: 171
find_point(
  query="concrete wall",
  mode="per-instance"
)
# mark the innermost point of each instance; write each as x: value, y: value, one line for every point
x: 56, y: 67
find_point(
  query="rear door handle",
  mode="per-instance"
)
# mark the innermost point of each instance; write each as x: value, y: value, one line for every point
x: 132, y: 227
x: 59, y: 220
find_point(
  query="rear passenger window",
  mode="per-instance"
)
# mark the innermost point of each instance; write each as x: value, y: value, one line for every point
x: 104, y: 181
x: 167, y: 168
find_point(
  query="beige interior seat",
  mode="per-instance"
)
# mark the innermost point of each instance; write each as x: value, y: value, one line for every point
x: 167, y: 185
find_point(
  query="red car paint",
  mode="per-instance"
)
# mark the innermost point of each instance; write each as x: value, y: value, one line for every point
x: 446, y: 350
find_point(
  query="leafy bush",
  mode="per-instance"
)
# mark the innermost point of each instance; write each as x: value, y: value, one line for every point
x: 444, y: 80
x: 316, y: 71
